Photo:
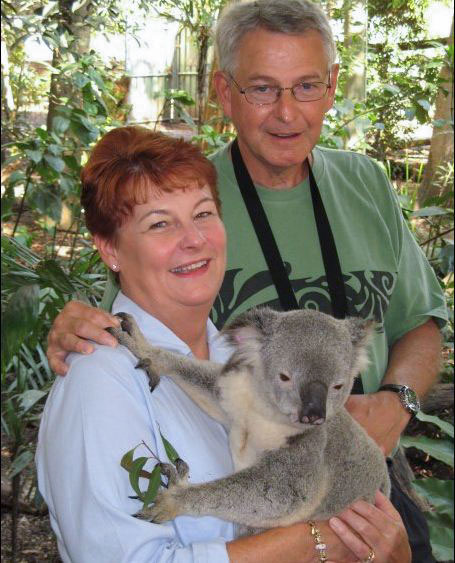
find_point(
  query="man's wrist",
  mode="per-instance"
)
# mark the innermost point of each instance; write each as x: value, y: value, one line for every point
x: 407, y: 397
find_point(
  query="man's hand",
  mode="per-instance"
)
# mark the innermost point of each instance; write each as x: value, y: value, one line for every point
x: 381, y: 415
x: 72, y: 327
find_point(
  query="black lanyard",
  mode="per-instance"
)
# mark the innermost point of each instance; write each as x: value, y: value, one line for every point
x: 272, y: 254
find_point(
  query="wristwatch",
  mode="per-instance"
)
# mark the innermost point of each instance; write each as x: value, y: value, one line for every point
x: 408, y: 397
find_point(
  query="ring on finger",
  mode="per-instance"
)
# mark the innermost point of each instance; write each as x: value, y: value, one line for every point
x: 371, y: 556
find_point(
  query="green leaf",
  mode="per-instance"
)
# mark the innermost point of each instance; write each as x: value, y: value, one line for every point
x: 29, y: 398
x: 19, y: 319
x: 439, y: 449
x: 425, y: 104
x: 441, y: 536
x: 442, y: 424
x: 60, y: 124
x: 55, y: 162
x: 430, y: 212
x: 36, y: 156
x: 170, y: 451
x: 439, y: 493
x: 127, y: 459
x: 134, y: 471
x: 16, y: 177
x: 154, y: 485
x: 51, y: 275
x: 20, y: 463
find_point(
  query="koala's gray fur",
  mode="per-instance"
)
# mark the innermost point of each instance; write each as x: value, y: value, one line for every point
x: 298, y: 454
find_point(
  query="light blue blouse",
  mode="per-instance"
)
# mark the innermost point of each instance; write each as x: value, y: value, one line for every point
x: 96, y: 413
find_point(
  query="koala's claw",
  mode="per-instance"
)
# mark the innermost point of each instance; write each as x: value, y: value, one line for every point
x: 130, y: 336
x: 147, y: 365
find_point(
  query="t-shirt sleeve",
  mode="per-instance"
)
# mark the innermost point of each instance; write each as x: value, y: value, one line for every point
x: 417, y: 295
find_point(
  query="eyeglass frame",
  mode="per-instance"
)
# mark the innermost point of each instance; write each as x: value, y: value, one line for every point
x: 280, y: 90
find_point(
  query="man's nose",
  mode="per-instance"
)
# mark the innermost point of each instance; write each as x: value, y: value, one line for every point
x: 191, y: 236
x: 286, y: 107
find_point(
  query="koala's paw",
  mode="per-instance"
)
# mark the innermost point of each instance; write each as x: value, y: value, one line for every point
x: 130, y: 336
x: 165, y: 508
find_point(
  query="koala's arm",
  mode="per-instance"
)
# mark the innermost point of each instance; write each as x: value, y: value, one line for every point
x: 197, y: 378
x: 283, y: 487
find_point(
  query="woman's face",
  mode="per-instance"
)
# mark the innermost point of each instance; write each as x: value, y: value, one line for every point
x: 171, y: 252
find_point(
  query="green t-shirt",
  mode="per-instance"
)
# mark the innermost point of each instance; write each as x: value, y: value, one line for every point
x: 386, y: 274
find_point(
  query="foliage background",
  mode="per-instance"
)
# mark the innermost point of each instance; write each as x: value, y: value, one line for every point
x: 389, y: 86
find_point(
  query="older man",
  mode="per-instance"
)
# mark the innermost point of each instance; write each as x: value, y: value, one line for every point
x: 307, y: 227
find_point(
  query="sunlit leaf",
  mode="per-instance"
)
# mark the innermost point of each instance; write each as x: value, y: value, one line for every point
x: 442, y: 424
x: 170, y: 450
x: 135, y: 472
x: 439, y: 449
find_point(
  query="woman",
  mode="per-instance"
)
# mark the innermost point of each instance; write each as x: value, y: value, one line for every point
x: 152, y: 206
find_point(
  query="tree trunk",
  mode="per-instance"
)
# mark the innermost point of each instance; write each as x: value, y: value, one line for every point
x: 80, y: 33
x: 441, y: 148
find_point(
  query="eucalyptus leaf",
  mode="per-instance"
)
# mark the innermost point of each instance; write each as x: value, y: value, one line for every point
x: 154, y: 485
x: 442, y: 424
x: 135, y: 471
x: 127, y: 459
x: 170, y: 450
x: 439, y: 449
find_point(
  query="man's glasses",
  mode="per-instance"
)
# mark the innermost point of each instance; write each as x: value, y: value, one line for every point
x: 264, y: 94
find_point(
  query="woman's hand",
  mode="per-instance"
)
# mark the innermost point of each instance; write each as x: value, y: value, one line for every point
x: 76, y: 323
x: 363, y: 526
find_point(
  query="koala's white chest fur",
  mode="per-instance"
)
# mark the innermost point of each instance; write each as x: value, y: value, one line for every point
x: 252, y: 428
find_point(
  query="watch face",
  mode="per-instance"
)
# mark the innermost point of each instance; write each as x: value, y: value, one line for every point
x: 410, y: 399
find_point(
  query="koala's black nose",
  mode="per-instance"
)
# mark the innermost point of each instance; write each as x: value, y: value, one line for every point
x: 314, y: 397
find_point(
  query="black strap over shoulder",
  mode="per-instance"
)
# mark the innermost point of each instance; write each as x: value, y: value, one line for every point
x: 263, y: 232
x: 272, y: 254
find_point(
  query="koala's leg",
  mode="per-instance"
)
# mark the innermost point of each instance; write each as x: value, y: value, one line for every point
x: 196, y: 377
x: 262, y: 496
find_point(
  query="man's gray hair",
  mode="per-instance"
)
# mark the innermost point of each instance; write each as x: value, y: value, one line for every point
x: 294, y: 17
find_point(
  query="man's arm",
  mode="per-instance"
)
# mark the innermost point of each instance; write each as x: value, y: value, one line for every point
x: 72, y: 329
x: 414, y: 361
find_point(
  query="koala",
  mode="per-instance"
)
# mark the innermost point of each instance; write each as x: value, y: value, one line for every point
x: 298, y: 454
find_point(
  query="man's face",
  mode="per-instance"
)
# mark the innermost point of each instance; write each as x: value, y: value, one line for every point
x: 275, y: 139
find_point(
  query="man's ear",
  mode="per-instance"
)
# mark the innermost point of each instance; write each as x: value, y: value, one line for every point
x: 107, y: 250
x: 223, y: 91
x: 333, y: 86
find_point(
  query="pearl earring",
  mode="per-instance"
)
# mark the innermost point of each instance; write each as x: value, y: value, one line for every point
x: 115, y: 267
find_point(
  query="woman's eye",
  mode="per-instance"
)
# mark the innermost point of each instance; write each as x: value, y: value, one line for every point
x: 158, y: 225
x: 204, y: 214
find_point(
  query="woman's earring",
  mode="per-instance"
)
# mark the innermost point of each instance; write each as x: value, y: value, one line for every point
x: 115, y: 267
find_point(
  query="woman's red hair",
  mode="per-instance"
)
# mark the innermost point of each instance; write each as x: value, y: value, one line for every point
x: 126, y: 163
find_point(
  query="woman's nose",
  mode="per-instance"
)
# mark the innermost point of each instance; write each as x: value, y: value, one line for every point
x: 191, y: 236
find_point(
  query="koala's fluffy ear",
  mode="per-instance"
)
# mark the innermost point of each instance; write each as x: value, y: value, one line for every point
x: 360, y: 330
x: 252, y: 326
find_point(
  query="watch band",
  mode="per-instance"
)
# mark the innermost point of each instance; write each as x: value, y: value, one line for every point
x: 408, y: 397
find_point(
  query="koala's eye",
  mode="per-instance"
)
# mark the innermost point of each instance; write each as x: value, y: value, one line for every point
x: 284, y: 377
x: 339, y: 386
